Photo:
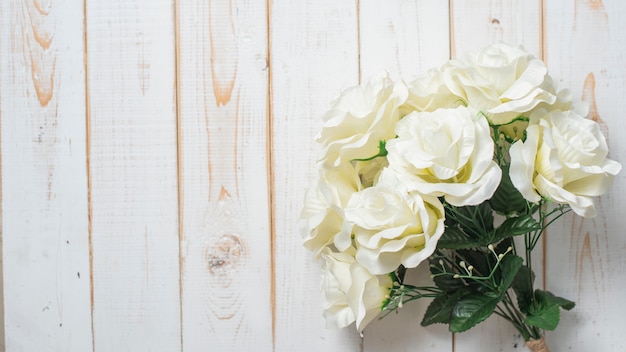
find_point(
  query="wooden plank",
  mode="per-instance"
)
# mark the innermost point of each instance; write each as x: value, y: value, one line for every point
x: 405, y: 38
x: 2, y: 334
x: 44, y: 179
x: 476, y: 24
x: 585, y: 51
x: 314, y: 55
x: 133, y: 170
x: 226, y: 255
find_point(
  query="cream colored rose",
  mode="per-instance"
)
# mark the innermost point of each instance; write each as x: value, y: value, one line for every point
x: 359, y: 119
x: 336, y: 282
x: 564, y: 158
x: 447, y: 152
x: 367, y: 294
x: 351, y: 293
x: 393, y: 226
x: 504, y: 82
x: 429, y: 93
x: 322, y: 216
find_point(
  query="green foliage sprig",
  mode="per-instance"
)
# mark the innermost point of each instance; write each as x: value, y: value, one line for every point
x: 478, y: 269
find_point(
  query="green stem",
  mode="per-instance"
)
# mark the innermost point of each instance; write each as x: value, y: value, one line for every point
x: 514, y: 319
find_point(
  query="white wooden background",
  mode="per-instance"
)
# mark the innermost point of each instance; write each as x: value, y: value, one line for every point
x: 154, y: 157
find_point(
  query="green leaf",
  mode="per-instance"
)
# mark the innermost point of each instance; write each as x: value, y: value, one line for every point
x: 504, y: 245
x: 523, y: 287
x: 507, y: 199
x: 560, y: 301
x: 400, y: 273
x: 470, y: 310
x: 454, y: 238
x: 546, y: 318
x: 544, y: 313
x: 440, y: 309
x: 548, y: 297
x: 482, y: 262
x: 509, y: 267
x: 476, y: 221
x: 448, y: 283
x: 445, y: 282
x: 516, y: 226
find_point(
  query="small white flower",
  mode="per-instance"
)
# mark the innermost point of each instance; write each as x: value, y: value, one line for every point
x: 359, y: 119
x: 393, y: 226
x: 447, y: 152
x: 564, y: 158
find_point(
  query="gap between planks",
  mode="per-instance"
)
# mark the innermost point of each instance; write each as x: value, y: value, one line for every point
x: 179, y: 164
x: 269, y: 141
x: 88, y: 172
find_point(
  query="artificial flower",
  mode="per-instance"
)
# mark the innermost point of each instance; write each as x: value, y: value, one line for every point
x: 359, y: 119
x: 504, y: 82
x: 564, y: 158
x: 351, y: 292
x: 429, y: 93
x: 322, y: 217
x: 393, y: 226
x: 447, y: 152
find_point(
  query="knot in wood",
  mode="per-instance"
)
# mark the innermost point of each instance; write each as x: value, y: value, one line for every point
x: 223, y: 254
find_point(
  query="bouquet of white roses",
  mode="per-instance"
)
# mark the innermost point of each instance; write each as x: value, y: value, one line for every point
x: 446, y: 170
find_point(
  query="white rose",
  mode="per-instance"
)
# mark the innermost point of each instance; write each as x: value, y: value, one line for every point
x: 564, y: 158
x: 322, y: 216
x: 393, y: 226
x: 359, y: 119
x: 429, y: 93
x: 352, y: 293
x: 336, y: 281
x: 447, y: 152
x: 367, y: 294
x: 504, y: 82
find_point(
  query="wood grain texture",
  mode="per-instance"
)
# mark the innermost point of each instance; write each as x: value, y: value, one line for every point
x: 134, y: 196
x: 314, y: 55
x: 2, y: 332
x: 225, y: 239
x: 44, y: 183
x: 585, y: 51
x: 477, y: 24
x: 406, y: 39
x: 178, y: 137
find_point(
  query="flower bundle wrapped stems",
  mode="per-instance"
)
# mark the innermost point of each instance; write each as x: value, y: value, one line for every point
x: 418, y: 172
x: 538, y: 345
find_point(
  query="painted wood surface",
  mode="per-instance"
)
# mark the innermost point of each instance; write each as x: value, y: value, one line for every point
x: 313, y: 49
x: 226, y: 266
x: 132, y: 155
x: 44, y: 179
x: 154, y: 158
